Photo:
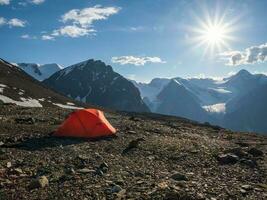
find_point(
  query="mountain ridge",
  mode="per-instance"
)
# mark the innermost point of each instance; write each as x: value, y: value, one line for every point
x: 94, y: 82
x: 39, y: 72
x: 216, y: 97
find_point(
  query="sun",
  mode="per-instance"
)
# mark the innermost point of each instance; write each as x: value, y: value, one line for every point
x: 213, y: 34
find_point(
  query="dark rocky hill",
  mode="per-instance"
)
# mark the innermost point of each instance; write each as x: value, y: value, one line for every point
x: 94, y: 82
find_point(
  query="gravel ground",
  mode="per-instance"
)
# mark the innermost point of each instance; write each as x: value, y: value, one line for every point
x: 151, y: 157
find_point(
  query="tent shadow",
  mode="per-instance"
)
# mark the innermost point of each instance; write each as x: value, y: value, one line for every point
x: 40, y: 143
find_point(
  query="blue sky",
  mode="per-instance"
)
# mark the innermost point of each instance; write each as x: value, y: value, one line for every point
x: 140, y: 39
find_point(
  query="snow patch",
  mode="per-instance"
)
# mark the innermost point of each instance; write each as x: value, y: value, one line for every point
x: 24, y: 102
x: 215, y: 108
x: 67, y: 106
x: 221, y: 90
x: 114, y: 79
x: 2, y: 87
x: 177, y: 82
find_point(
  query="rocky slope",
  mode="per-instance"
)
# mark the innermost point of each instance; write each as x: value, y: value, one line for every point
x: 94, y: 82
x: 152, y: 157
x: 17, y: 87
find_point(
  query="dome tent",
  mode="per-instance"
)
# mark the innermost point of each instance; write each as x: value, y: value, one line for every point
x: 85, y: 123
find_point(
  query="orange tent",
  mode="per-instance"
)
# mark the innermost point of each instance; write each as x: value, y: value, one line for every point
x: 86, y: 123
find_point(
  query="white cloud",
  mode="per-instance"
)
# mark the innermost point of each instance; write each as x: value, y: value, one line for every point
x: 260, y: 72
x: 72, y: 31
x: 137, y: 61
x: 22, y: 3
x: 27, y: 36
x: 16, y: 22
x: 203, y: 76
x: 12, y: 22
x: 251, y: 55
x: 4, y: 2
x: 80, y: 21
x: 131, y: 76
x: 215, y: 108
x: 47, y: 37
x: 85, y: 17
x: 26, y: 3
x: 2, y: 21
x: 37, y: 1
x: 231, y: 73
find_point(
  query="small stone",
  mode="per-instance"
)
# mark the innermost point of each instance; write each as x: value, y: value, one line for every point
x: 39, y: 182
x: 243, y: 191
x: 104, y: 164
x: 255, y: 152
x: 18, y: 170
x: 85, y: 171
x: 98, y: 156
x: 250, y: 163
x: 163, y: 185
x: 133, y: 144
x: 2, y: 151
x: 121, y: 194
x: 132, y: 132
x: 262, y: 185
x: 200, y: 196
x: 99, y: 172
x: 120, y: 182
x: 71, y: 171
x: 246, y: 187
x: 227, y: 159
x: 238, y: 152
x: 179, y: 177
x: 81, y: 157
x: 8, y: 165
x: 116, y: 189
x: 1, y: 143
x: 104, y: 169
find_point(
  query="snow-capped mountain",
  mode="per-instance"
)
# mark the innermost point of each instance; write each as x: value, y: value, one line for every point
x: 94, y: 82
x: 218, y: 98
x: 150, y: 91
x: 39, y: 72
x: 17, y: 87
x: 175, y: 99
x: 250, y: 111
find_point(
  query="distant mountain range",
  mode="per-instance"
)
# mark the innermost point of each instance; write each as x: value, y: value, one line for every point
x: 94, y: 82
x: 237, y: 102
x: 39, y: 72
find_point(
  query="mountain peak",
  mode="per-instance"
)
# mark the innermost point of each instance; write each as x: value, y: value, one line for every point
x: 94, y: 82
x: 243, y: 72
x: 90, y: 64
